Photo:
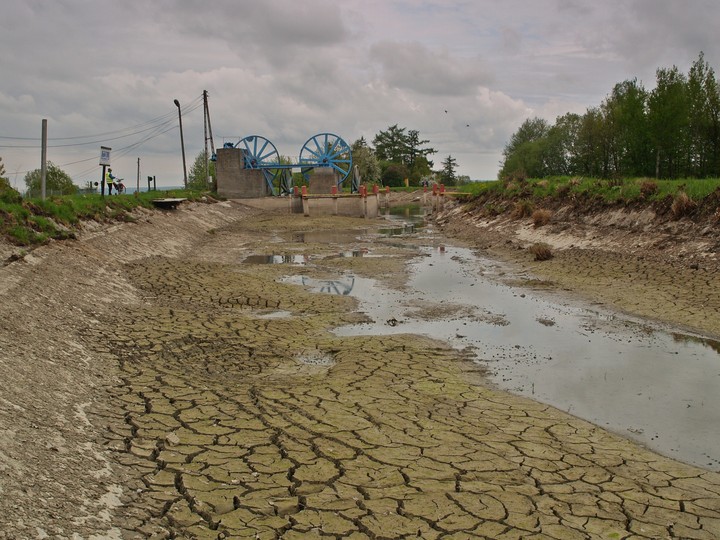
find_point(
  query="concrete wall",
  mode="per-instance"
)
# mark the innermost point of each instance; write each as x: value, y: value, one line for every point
x: 322, y: 180
x: 341, y: 205
x: 234, y: 181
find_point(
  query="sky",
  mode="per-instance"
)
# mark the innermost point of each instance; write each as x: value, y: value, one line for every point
x: 463, y: 73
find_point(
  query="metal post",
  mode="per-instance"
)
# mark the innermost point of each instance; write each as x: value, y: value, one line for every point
x: 182, y: 141
x: 102, y: 182
x: 43, y: 159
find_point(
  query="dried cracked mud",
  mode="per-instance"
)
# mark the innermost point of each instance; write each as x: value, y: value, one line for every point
x: 157, y: 387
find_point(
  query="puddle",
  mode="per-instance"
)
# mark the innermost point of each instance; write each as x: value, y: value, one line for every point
x: 328, y: 236
x: 276, y: 259
x: 659, y: 388
x: 274, y: 315
x: 350, y: 254
x: 405, y: 220
x: 342, y: 286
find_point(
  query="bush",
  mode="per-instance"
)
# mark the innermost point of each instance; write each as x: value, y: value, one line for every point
x: 541, y: 217
x: 541, y: 251
x: 8, y: 194
x: 648, y: 188
x: 682, y: 205
x: 522, y: 209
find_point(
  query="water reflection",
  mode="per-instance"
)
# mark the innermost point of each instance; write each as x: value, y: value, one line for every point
x: 342, y: 286
x: 276, y: 259
x: 338, y: 236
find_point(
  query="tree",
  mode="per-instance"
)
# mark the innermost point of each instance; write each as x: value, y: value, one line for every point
x: 447, y: 175
x: 2, y: 169
x: 524, y: 151
x: 56, y: 181
x: 391, y: 145
x: 703, y: 119
x: 394, y: 174
x: 364, y: 158
x: 625, y: 113
x: 197, y: 178
x: 396, y: 146
x: 559, y: 152
x: 668, y: 122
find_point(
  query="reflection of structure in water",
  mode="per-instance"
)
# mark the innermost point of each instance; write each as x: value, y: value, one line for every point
x: 276, y: 259
x: 331, y: 286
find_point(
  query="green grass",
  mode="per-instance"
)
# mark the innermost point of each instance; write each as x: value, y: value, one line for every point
x: 34, y: 221
x: 609, y: 191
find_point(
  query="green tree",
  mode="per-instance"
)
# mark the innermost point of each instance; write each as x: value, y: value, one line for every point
x: 2, y: 169
x: 559, y: 152
x: 447, y: 174
x: 524, y: 151
x: 668, y: 122
x: 364, y: 158
x: 396, y: 146
x: 197, y: 177
x: 394, y: 174
x: 415, y: 150
x: 56, y: 181
x: 625, y: 113
x: 703, y: 119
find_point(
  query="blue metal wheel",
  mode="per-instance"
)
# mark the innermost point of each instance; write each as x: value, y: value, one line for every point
x: 326, y: 150
x: 260, y: 153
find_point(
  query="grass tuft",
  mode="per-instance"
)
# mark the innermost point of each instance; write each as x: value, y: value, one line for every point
x: 682, y: 205
x: 522, y: 209
x: 541, y: 217
x: 541, y: 251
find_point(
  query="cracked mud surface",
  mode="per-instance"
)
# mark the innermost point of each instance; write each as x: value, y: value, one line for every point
x: 161, y: 388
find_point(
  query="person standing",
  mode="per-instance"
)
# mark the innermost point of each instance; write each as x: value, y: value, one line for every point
x: 109, y: 180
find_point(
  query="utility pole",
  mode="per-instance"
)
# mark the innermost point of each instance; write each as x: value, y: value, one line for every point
x: 205, y: 119
x: 182, y: 141
x: 137, y: 188
x: 43, y: 158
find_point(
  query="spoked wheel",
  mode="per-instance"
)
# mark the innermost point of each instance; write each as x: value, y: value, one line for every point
x: 326, y: 150
x: 260, y: 153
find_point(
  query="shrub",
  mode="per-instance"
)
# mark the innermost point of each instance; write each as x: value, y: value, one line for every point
x: 682, y: 205
x: 541, y: 251
x: 541, y: 217
x: 8, y: 194
x: 648, y: 188
x: 522, y: 209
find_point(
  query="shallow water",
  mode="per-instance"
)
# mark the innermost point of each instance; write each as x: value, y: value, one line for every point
x: 655, y: 385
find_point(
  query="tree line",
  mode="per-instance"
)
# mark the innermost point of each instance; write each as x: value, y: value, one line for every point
x: 399, y: 153
x: 672, y: 131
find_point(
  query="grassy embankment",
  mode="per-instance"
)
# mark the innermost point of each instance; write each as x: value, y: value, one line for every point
x: 685, y: 197
x: 28, y: 222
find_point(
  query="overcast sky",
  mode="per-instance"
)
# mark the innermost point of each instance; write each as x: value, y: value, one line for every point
x: 289, y: 69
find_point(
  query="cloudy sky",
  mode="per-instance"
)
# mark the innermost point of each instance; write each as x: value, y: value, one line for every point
x: 106, y: 72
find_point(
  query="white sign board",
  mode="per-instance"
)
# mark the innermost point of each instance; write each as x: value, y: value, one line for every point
x: 105, y: 155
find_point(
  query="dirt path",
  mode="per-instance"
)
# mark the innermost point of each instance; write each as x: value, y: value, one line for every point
x: 160, y: 388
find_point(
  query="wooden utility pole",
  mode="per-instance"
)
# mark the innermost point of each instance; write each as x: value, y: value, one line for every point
x: 205, y: 118
x: 209, y: 134
x: 137, y: 187
x: 43, y: 158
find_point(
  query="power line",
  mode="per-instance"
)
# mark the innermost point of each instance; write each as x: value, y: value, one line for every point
x: 154, y: 131
x: 158, y: 119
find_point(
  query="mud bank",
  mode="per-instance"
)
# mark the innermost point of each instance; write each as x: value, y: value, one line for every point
x: 159, y: 386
